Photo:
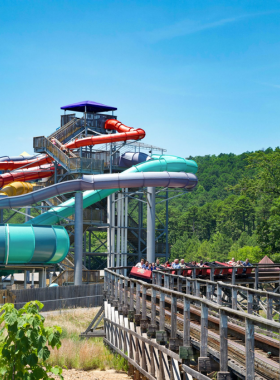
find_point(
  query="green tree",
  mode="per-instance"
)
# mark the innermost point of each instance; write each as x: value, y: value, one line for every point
x: 24, y: 343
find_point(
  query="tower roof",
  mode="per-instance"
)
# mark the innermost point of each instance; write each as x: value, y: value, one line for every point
x: 88, y: 106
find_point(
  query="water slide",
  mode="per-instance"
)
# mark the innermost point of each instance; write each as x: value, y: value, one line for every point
x: 158, y: 165
x: 26, y: 174
x: 13, y: 163
x: 38, y: 241
x: 125, y: 134
x: 17, y: 188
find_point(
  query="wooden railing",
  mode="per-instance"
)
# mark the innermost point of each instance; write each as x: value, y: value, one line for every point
x: 139, y: 329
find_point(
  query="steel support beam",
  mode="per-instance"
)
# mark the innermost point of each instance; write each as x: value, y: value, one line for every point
x: 151, y: 217
x: 78, y: 239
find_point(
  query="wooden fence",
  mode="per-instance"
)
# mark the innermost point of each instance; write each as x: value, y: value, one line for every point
x: 55, y: 298
x: 139, y: 330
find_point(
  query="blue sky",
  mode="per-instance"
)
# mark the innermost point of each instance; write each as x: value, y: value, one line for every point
x: 201, y: 77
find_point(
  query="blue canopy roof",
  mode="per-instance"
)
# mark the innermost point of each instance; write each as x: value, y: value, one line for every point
x: 91, y: 107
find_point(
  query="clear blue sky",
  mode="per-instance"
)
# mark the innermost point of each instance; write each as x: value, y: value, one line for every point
x: 201, y: 77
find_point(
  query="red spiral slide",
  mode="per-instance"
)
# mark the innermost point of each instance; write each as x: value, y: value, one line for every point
x: 125, y: 133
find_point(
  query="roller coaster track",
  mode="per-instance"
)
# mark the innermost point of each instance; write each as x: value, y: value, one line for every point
x: 203, y: 337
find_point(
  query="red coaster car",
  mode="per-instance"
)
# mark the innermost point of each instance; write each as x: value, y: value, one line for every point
x: 141, y: 274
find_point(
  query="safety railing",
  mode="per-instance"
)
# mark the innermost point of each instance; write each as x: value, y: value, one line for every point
x: 139, y: 327
x: 71, y: 164
x: 68, y: 129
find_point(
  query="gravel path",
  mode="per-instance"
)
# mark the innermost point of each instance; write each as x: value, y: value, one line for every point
x: 110, y: 374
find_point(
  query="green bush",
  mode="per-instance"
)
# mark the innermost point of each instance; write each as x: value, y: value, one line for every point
x: 24, y: 343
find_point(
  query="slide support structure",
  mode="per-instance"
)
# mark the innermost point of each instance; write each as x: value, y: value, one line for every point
x: 78, y: 272
x: 151, y: 221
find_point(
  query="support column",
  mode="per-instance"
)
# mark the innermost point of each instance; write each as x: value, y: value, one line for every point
x: 42, y: 278
x: 78, y: 238
x: 151, y: 218
x: 27, y: 211
x: 118, y: 250
x: 55, y: 172
x: 125, y: 229
x: 25, y: 279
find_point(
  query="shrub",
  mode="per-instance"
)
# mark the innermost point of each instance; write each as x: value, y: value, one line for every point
x: 24, y: 343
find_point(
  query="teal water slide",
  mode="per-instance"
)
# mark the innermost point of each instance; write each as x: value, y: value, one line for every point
x: 38, y: 241
x: 158, y: 163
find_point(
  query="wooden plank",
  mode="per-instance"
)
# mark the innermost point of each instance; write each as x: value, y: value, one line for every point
x: 145, y: 373
x: 132, y: 328
x: 175, y: 369
x: 166, y: 365
x: 147, y: 353
x: 204, y: 331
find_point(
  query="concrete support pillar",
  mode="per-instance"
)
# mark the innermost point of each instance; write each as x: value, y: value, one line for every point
x: 78, y: 239
x: 151, y: 218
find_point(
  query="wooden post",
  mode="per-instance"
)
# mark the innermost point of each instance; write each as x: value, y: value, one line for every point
x: 269, y: 307
x: 219, y: 294
x: 234, y: 298
x: 116, y: 292
x: 208, y: 291
x: 159, y: 279
x: 188, y: 287
x: 137, y: 315
x: 173, y: 334
x: 256, y: 278
x: 153, y: 277
x: 250, y: 299
x: 143, y: 322
x: 223, y: 374
x: 197, y: 287
x: 151, y: 348
x: 125, y: 305
x: 250, y: 354
x: 185, y: 351
x: 120, y: 295
x: 179, y: 284
x: 162, y: 311
x: 203, y: 360
x: 233, y: 276
x: 153, y: 325
x: 171, y: 282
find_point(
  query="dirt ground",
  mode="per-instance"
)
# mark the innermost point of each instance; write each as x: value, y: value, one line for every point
x: 110, y: 374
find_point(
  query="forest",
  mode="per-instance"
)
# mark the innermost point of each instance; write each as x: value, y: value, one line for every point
x: 233, y: 212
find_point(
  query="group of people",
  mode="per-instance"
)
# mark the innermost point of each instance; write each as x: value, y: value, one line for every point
x: 62, y: 147
x: 176, y: 264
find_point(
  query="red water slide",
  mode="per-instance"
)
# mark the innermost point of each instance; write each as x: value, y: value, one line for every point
x: 27, y: 174
x: 125, y: 133
x: 13, y: 165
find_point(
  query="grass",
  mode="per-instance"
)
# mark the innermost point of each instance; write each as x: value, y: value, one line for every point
x: 81, y: 353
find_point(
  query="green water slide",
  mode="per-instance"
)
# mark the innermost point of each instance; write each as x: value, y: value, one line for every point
x: 156, y: 164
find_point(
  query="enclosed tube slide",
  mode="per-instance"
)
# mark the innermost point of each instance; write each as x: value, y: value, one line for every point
x: 13, y: 163
x: 26, y: 174
x: 161, y: 164
x: 21, y: 244
x: 129, y: 159
x: 16, y: 188
x: 125, y: 133
x: 104, y: 181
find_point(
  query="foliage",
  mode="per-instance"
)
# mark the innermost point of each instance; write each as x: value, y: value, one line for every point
x: 235, y: 210
x: 24, y: 343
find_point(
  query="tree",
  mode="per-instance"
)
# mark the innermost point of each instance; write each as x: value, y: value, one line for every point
x: 23, y: 348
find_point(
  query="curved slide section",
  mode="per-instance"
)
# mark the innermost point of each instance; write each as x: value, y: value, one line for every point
x: 26, y: 174
x: 125, y: 133
x: 161, y: 164
x: 13, y: 163
x: 21, y: 244
x: 16, y: 188
x: 102, y: 182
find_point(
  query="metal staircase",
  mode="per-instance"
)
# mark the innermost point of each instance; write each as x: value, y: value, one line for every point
x: 41, y: 144
x: 69, y: 130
